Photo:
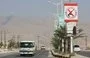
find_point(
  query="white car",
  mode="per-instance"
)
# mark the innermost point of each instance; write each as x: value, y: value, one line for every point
x: 76, y: 48
x: 43, y: 48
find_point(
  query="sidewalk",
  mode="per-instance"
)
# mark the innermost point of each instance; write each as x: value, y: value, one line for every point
x: 75, y: 56
x: 7, y: 51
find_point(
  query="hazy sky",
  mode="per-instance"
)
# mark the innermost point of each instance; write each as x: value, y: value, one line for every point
x: 24, y: 7
x: 38, y: 8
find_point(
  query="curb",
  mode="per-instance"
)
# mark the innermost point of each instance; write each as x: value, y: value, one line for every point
x: 60, y: 55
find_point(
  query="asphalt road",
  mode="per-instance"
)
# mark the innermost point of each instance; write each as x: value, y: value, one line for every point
x: 39, y: 54
x: 84, y: 53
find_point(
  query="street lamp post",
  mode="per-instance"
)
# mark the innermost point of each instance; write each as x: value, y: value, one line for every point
x: 57, y: 11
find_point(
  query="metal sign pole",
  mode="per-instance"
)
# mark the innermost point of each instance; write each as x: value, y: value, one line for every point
x: 71, y: 44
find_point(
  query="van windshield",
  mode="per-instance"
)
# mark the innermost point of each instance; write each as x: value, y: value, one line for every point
x: 26, y: 44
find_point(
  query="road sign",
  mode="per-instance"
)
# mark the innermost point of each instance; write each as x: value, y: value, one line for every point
x: 71, y: 12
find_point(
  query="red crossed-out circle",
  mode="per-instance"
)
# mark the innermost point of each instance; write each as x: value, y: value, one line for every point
x: 71, y: 12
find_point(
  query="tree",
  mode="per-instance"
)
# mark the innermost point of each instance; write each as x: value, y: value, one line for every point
x: 55, y: 43
x: 59, y: 35
x: 17, y: 45
x: 11, y: 43
x: 1, y: 44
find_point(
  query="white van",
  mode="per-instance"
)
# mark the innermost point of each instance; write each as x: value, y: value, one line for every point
x: 27, y: 47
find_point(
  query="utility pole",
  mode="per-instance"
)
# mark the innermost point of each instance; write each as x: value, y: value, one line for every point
x: 62, y: 6
x: 1, y: 36
x: 86, y: 41
x: 57, y: 11
x: 38, y: 41
x: 1, y: 39
x: 4, y: 39
x: 69, y: 0
x: 18, y: 40
x: 57, y: 7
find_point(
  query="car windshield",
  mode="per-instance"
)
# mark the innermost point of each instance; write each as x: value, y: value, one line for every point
x: 76, y: 45
x: 26, y: 44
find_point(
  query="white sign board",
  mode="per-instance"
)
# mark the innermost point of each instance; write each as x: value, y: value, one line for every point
x: 70, y: 26
x: 71, y: 12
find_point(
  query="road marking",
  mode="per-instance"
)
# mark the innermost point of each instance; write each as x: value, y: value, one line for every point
x: 38, y: 53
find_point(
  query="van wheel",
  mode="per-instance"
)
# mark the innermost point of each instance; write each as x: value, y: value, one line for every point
x: 21, y: 55
x: 32, y: 54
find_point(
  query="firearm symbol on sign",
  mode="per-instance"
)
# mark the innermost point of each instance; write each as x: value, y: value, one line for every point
x: 71, y: 13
